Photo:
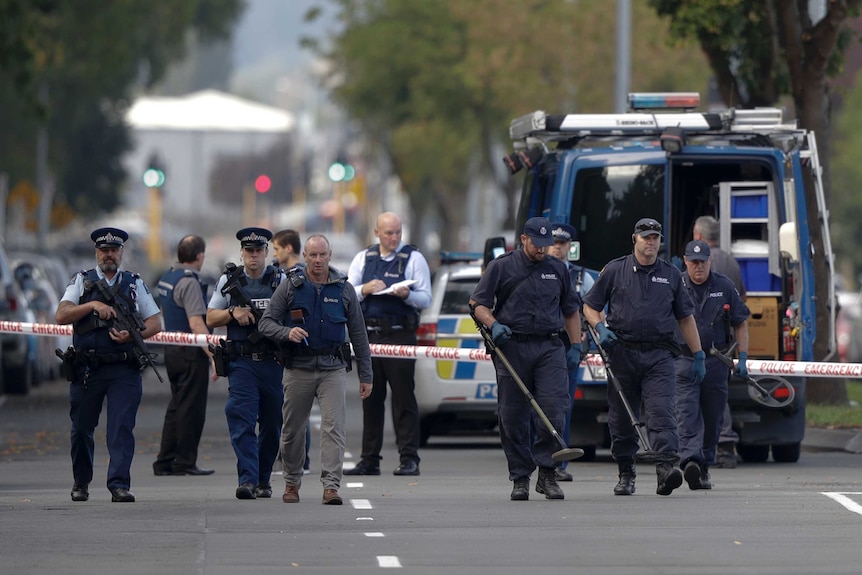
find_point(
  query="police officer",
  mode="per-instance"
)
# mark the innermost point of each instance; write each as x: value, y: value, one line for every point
x: 533, y: 300
x: 564, y: 235
x: 700, y: 407
x: 254, y: 376
x: 105, y: 363
x: 182, y: 297
x: 646, y: 301
x: 310, y: 315
x: 391, y: 318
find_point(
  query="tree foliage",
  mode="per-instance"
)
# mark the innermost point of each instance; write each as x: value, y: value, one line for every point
x: 436, y: 82
x: 72, y: 66
x: 761, y: 50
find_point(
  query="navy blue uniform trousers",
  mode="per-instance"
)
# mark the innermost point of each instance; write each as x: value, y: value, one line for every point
x: 648, y: 378
x: 253, y: 410
x: 121, y: 385
x: 700, y: 409
x: 541, y: 365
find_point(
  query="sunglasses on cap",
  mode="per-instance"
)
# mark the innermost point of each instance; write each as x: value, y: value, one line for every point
x: 648, y: 227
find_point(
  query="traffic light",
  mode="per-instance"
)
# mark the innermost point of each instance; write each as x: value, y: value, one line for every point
x: 153, y: 178
x: 341, y: 172
x: 262, y: 184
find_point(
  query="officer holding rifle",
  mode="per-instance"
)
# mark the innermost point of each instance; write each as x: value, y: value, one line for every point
x: 248, y: 360
x: 112, y: 312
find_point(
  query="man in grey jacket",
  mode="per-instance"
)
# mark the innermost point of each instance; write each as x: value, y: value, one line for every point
x: 310, y: 316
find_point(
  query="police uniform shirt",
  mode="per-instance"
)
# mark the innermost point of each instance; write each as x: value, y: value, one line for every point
x: 539, y: 304
x: 188, y: 294
x: 221, y: 301
x: 417, y: 270
x: 709, y: 299
x: 145, y: 303
x: 644, y: 302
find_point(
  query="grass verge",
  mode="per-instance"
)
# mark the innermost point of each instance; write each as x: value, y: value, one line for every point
x: 831, y: 416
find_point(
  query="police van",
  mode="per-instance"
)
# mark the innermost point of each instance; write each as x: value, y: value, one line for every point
x: 747, y: 168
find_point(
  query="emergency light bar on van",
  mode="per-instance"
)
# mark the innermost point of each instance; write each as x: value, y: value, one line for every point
x: 664, y: 100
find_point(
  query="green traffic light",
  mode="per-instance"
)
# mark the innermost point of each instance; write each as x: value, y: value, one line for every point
x: 153, y: 178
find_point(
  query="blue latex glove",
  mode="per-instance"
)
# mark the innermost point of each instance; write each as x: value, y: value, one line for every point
x: 606, y: 336
x: 741, y: 367
x: 573, y: 357
x: 698, y: 369
x: 500, y: 333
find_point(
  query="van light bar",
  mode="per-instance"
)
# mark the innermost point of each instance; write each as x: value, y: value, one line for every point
x: 664, y: 100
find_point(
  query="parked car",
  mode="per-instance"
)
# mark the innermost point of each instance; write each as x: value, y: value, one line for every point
x: 454, y: 395
x: 18, y: 352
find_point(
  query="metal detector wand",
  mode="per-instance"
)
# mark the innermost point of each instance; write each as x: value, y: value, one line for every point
x: 564, y: 454
x: 647, y: 454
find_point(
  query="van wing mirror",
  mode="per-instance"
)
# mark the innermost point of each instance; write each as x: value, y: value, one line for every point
x: 788, y: 244
x: 494, y: 248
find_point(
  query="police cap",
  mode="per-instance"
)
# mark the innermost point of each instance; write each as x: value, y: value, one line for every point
x: 564, y: 233
x: 539, y: 230
x: 697, y: 250
x: 253, y: 237
x: 647, y: 227
x: 109, y: 237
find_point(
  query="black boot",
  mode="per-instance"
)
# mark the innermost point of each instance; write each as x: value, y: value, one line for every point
x: 521, y: 490
x: 547, y: 484
x: 669, y: 478
x: 626, y: 484
x: 705, y: 480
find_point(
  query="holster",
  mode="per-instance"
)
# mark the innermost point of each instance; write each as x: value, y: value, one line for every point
x: 220, y: 358
x: 70, y: 362
x: 345, y: 356
x: 284, y: 356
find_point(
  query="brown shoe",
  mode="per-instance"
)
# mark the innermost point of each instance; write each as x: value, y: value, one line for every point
x: 291, y: 494
x: 331, y: 497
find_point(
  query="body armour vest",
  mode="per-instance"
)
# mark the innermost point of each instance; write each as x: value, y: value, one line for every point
x: 176, y: 318
x: 259, y: 292
x: 386, y: 306
x: 320, y: 313
x: 91, y: 333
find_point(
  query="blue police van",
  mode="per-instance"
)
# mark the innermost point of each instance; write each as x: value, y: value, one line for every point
x: 663, y: 159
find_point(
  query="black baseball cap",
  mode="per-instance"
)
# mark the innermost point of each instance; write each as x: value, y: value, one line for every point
x: 697, y: 250
x: 539, y: 230
x: 647, y: 227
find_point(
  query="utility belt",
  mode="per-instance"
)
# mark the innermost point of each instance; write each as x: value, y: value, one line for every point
x: 341, y: 352
x: 391, y: 324
x: 686, y: 351
x: 92, y: 359
x: 525, y: 337
x: 666, y: 344
x: 227, y: 351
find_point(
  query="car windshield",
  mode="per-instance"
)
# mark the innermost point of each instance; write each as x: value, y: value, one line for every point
x: 456, y: 299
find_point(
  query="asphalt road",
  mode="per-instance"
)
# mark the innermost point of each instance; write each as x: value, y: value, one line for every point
x: 456, y: 517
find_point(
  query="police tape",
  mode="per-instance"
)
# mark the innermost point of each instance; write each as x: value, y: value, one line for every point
x: 755, y: 366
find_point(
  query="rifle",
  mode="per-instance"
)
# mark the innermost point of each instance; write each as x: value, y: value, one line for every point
x: 129, y: 320
x: 233, y: 288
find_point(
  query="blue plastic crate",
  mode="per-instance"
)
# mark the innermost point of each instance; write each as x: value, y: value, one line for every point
x: 754, y: 206
x: 756, y: 276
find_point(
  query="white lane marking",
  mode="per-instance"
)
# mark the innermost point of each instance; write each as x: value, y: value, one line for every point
x: 388, y: 561
x: 841, y: 497
x: 354, y: 485
x: 375, y: 534
x: 360, y: 503
x: 365, y: 519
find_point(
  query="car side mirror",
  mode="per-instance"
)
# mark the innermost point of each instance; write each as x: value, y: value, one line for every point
x: 494, y: 248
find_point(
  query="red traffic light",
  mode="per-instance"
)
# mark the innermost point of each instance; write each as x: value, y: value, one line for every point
x: 262, y: 184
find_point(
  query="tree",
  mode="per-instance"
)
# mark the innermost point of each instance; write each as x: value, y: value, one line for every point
x: 436, y: 83
x: 72, y: 67
x: 759, y: 51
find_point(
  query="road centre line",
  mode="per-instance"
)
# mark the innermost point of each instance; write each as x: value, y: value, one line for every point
x: 841, y: 497
x: 388, y: 561
x: 360, y: 503
x: 375, y: 534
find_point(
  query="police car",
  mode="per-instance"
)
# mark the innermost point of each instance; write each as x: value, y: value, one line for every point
x: 454, y: 395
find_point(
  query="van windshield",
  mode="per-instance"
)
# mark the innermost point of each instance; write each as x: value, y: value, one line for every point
x: 606, y: 203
